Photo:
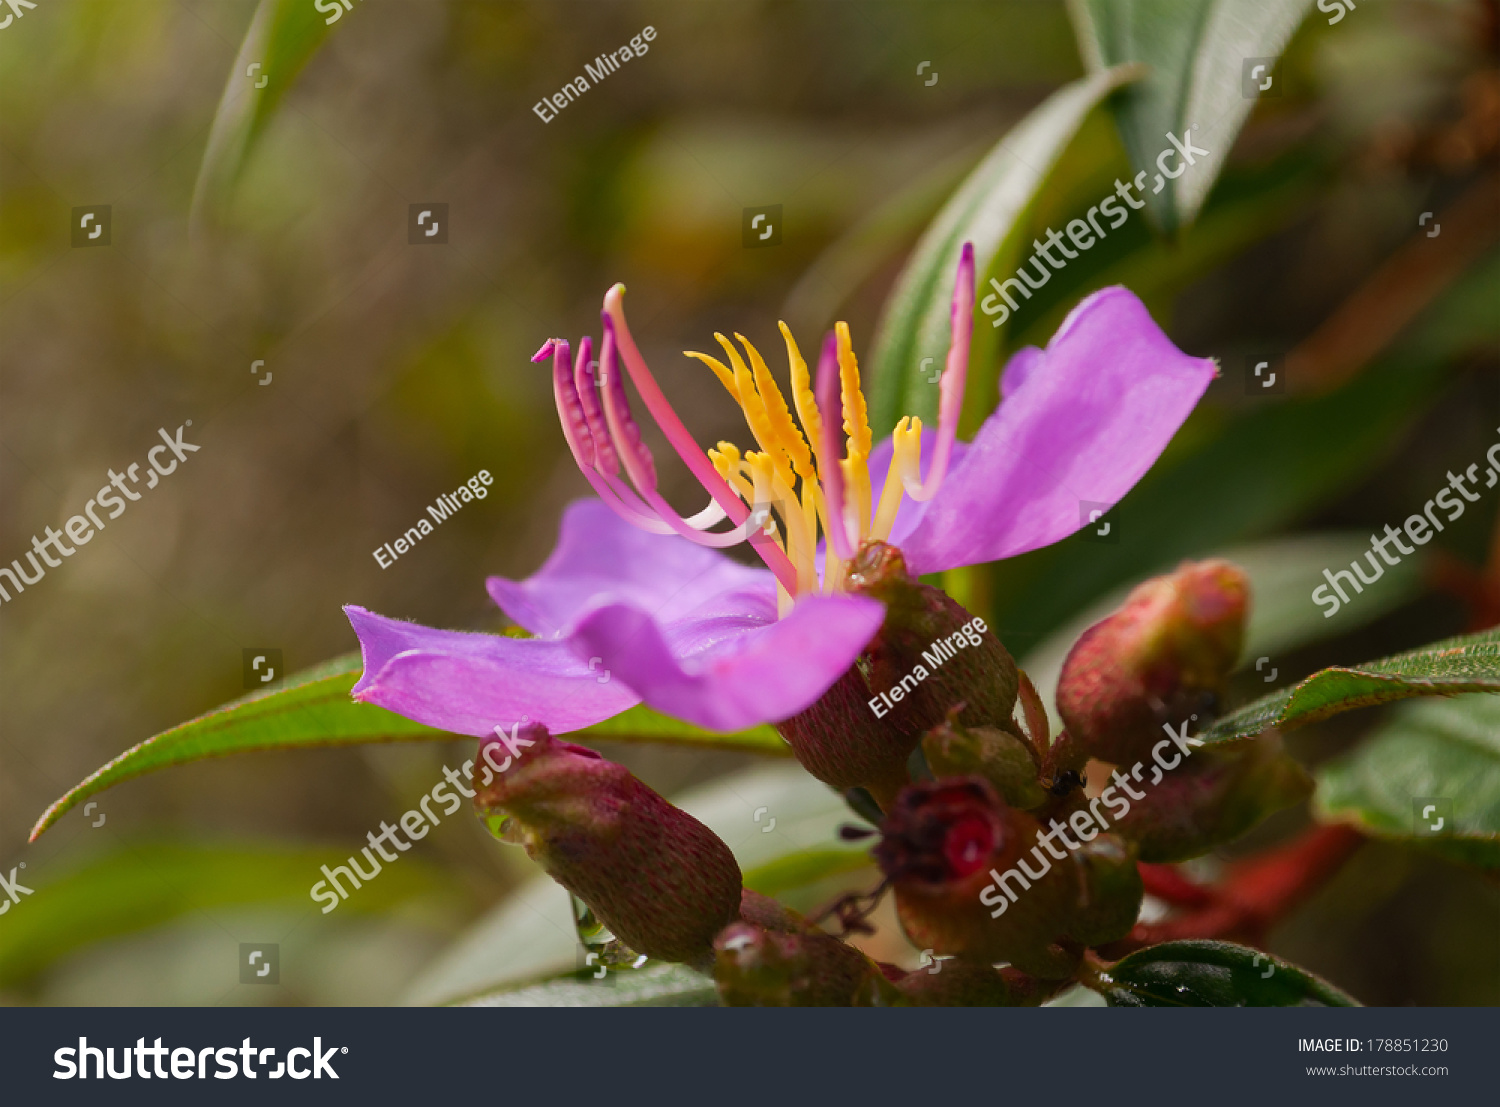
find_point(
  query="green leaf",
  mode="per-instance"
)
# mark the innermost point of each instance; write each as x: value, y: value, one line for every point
x: 314, y: 709
x: 798, y: 870
x: 146, y: 884
x: 642, y: 724
x: 282, y: 38
x: 988, y: 210
x: 1470, y: 663
x: 1202, y: 973
x: 1196, y: 50
x: 1440, y: 750
x: 653, y: 985
x: 1260, y: 205
x: 876, y: 238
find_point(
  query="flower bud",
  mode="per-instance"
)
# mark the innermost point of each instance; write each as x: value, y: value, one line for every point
x: 952, y: 851
x: 1165, y: 653
x: 661, y: 881
x: 759, y: 967
x: 1112, y: 891
x: 996, y: 755
x: 841, y: 742
x: 930, y: 654
x: 1211, y: 798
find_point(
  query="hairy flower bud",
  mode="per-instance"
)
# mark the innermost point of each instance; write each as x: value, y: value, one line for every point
x: 930, y: 657
x: 955, y: 854
x: 661, y: 881
x: 1212, y: 798
x: 839, y: 741
x: 997, y: 755
x: 1165, y: 653
x: 930, y: 654
x: 759, y: 967
x: 1112, y: 891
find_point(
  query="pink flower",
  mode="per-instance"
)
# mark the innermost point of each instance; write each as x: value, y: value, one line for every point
x: 637, y: 590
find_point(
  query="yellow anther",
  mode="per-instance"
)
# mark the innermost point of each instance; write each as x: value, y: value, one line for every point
x: 755, y: 409
x: 856, y: 498
x: 802, y: 393
x: 726, y: 378
x: 906, y: 463
x: 727, y: 461
x: 857, y: 427
x: 856, y: 418
x: 785, y: 434
x: 799, y: 545
x: 763, y: 474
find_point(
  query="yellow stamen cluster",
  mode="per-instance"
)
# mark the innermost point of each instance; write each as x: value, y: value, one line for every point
x: 783, y: 476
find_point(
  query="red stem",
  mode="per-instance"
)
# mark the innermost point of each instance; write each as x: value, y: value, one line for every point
x: 1256, y: 893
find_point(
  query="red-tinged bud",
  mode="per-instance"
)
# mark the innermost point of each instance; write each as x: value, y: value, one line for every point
x: 971, y: 877
x: 1112, y: 891
x: 1210, y: 798
x: 998, y: 756
x: 758, y: 967
x: 969, y: 984
x: 930, y: 655
x: 1163, y: 655
x: 841, y: 742
x: 769, y: 914
x: 661, y: 881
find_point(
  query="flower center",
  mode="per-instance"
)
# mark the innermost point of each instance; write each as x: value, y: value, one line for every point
x: 968, y: 845
x: 799, y: 480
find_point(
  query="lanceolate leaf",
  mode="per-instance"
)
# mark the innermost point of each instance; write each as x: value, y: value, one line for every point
x: 283, y: 36
x: 1203, y: 973
x: 314, y: 709
x: 1467, y: 664
x: 988, y: 210
x: 798, y: 870
x: 150, y: 883
x: 1197, y: 51
x: 1429, y: 776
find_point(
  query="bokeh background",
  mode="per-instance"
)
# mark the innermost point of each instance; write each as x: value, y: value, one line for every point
x: 400, y: 371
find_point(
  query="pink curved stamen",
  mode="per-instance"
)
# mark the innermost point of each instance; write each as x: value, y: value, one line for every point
x: 570, y: 410
x: 624, y: 431
x: 610, y: 491
x: 955, y: 375
x: 636, y: 458
x: 706, y: 518
x: 588, y: 439
x: 588, y: 396
x: 582, y: 442
x: 617, y: 336
x: 829, y: 448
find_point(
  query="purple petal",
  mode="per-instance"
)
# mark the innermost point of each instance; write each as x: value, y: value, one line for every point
x: 1090, y: 416
x: 1019, y: 368
x: 471, y: 683
x: 733, y: 664
x: 600, y: 558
